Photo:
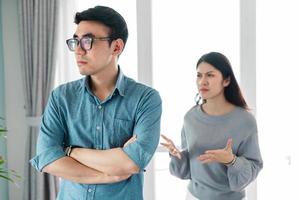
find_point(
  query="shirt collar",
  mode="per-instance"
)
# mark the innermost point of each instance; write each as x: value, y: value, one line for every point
x: 120, y: 84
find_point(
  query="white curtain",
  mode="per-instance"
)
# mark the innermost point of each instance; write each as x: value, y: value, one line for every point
x: 38, y: 20
x: 66, y: 67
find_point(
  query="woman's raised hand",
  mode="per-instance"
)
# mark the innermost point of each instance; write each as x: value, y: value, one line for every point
x: 171, y: 147
x: 224, y: 156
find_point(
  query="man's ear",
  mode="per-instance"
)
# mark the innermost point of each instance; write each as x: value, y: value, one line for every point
x: 226, y: 82
x: 118, y: 46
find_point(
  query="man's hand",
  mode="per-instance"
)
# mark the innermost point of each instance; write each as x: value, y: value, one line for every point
x: 69, y: 169
x: 171, y: 147
x: 113, y: 162
x: 223, y: 156
x: 131, y: 140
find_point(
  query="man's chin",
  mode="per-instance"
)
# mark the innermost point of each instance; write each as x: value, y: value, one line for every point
x: 83, y: 73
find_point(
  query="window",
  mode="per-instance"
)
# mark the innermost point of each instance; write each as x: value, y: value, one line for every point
x: 278, y: 97
x: 182, y: 32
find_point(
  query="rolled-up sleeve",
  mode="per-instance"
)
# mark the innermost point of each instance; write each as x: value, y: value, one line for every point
x: 51, y: 136
x: 147, y: 129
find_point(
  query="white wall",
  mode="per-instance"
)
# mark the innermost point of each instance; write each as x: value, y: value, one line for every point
x: 15, y: 112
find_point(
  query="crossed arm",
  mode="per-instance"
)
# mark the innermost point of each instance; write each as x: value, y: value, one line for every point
x: 90, y: 166
x: 72, y: 170
x: 113, y: 162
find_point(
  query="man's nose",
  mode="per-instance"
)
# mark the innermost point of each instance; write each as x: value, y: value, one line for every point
x: 79, y: 50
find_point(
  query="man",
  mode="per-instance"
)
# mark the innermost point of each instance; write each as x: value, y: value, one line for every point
x: 99, y: 133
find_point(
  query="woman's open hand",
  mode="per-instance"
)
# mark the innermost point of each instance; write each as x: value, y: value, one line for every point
x: 171, y: 147
x: 223, y: 156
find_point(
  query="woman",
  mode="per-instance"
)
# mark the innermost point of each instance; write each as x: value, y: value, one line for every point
x: 220, y: 151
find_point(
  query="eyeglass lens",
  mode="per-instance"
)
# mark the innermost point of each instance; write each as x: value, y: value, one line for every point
x: 85, y: 43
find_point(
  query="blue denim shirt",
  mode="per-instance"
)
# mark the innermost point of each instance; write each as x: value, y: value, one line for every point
x: 74, y: 116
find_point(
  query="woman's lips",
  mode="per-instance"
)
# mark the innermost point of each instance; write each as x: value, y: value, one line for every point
x: 203, y: 90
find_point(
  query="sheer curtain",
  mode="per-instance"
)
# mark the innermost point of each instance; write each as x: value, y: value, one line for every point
x: 66, y: 68
x: 38, y: 27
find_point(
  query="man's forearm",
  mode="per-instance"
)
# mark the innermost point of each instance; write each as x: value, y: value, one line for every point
x: 70, y: 169
x: 112, y: 161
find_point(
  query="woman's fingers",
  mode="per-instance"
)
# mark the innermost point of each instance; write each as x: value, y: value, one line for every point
x: 218, y: 155
x: 206, y: 158
x: 178, y: 155
x: 175, y: 152
x: 164, y: 137
x: 228, y: 145
x: 171, y: 147
x: 165, y: 144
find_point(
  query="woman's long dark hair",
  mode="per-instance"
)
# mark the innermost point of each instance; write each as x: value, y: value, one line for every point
x: 232, y: 92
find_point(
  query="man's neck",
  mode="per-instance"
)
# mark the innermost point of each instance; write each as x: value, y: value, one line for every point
x: 103, y: 83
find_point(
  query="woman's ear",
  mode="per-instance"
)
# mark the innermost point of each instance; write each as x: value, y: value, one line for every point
x: 226, y: 82
x: 118, y: 46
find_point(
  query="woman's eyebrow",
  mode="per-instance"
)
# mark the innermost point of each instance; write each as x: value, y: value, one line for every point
x: 205, y: 72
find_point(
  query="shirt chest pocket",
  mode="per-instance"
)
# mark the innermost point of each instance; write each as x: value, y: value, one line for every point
x: 122, y: 131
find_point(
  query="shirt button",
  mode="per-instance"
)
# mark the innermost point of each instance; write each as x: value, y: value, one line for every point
x: 99, y: 107
x: 98, y: 127
x: 90, y: 190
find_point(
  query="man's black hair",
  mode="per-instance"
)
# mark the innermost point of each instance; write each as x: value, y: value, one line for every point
x: 107, y: 16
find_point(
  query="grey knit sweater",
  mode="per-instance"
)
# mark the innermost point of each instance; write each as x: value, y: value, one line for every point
x: 215, y: 181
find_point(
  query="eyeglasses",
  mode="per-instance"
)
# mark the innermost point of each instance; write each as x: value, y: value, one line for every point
x: 85, y: 42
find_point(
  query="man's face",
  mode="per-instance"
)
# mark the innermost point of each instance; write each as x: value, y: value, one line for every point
x: 101, y: 56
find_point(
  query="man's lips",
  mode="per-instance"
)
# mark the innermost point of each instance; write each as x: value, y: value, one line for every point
x: 80, y: 62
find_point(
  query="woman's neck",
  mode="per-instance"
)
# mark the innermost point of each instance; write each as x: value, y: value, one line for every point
x: 217, y: 107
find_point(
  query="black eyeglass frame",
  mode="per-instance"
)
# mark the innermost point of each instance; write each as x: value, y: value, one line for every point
x: 78, y: 42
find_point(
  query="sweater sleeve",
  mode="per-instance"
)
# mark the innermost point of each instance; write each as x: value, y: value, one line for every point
x: 247, y: 165
x: 181, y: 167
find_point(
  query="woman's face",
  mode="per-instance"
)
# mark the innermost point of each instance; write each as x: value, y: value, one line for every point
x: 210, y: 81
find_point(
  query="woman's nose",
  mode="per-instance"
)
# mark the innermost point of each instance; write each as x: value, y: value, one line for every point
x: 202, y: 81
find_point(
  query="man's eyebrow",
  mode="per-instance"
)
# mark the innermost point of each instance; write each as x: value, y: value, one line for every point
x: 87, y: 34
